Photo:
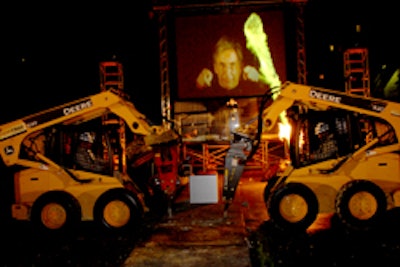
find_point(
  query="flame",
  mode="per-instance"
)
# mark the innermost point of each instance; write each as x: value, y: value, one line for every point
x: 284, y: 131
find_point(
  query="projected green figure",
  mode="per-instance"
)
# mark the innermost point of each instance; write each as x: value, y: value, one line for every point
x: 257, y: 43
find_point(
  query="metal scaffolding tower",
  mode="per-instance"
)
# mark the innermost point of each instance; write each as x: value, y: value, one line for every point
x: 164, y: 68
x: 300, y: 42
x: 356, y: 71
x: 112, y: 78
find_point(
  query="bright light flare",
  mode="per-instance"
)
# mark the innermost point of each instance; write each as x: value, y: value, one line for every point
x: 285, y: 131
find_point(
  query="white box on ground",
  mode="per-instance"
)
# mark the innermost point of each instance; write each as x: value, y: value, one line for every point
x: 203, y: 189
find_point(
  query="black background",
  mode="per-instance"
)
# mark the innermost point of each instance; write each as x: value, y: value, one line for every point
x: 51, y: 52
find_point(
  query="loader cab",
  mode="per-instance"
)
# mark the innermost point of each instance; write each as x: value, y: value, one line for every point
x: 88, y: 146
x: 331, y: 134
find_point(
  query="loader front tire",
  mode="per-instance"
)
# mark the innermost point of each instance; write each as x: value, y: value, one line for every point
x: 293, y: 207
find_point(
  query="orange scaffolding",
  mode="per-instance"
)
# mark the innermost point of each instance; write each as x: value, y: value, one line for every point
x: 356, y: 71
x: 112, y: 78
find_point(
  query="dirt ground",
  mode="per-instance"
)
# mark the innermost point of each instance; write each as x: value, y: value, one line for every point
x: 200, y: 235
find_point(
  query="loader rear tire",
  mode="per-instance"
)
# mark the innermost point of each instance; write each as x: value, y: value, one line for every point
x: 360, y: 205
x: 118, y: 212
x: 56, y: 213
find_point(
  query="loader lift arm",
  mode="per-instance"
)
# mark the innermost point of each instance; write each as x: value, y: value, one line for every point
x: 76, y: 112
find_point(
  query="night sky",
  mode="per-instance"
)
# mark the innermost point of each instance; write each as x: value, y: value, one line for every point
x: 51, y: 53
x: 334, y: 22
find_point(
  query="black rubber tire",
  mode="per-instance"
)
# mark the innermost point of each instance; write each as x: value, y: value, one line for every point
x: 281, y: 220
x: 367, y: 219
x: 59, y: 203
x: 268, y: 187
x: 127, y: 204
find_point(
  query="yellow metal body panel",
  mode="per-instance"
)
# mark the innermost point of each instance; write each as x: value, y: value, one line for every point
x: 31, y: 184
